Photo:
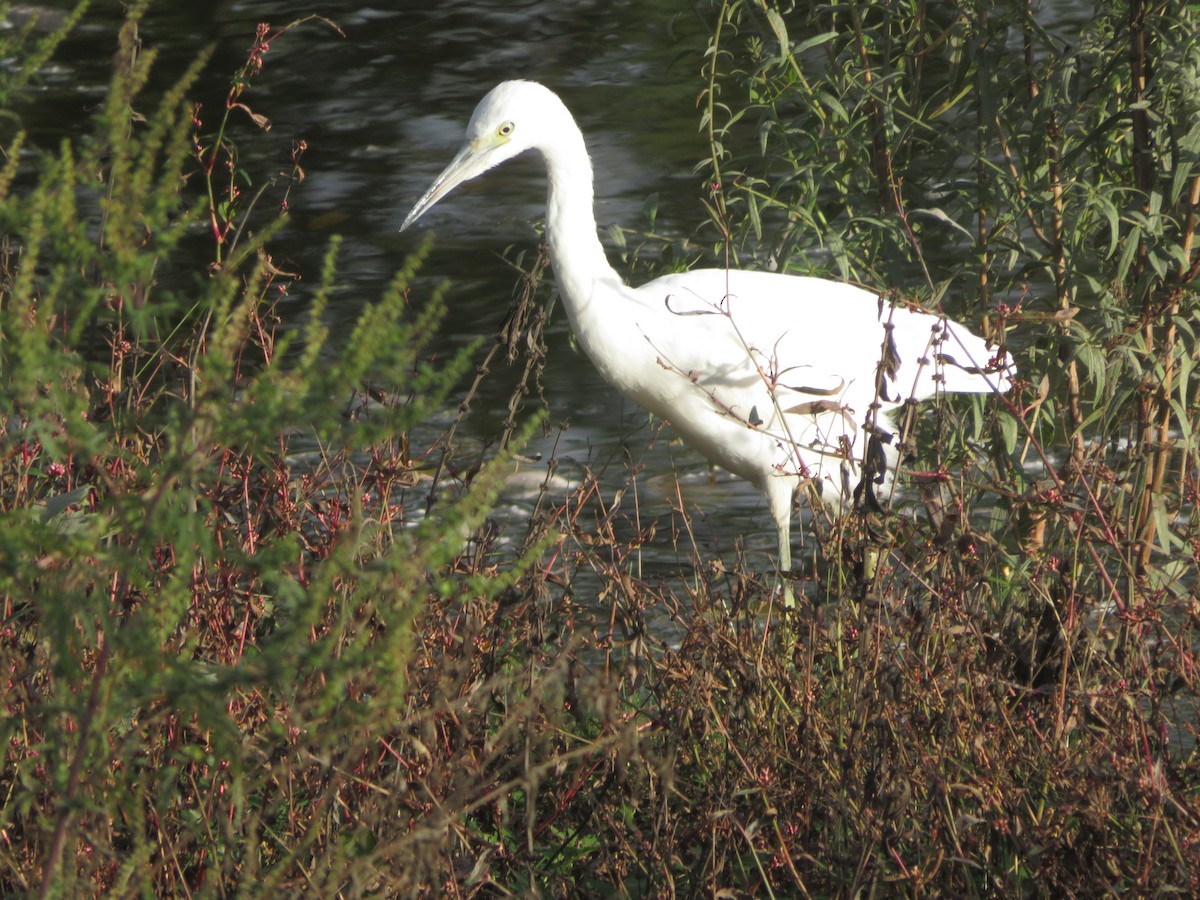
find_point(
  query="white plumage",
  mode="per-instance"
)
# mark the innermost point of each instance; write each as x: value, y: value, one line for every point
x: 773, y: 377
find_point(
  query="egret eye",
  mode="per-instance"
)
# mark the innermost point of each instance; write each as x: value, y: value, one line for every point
x: 506, y: 129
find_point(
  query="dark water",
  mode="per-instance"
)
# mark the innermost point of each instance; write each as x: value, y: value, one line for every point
x: 383, y: 109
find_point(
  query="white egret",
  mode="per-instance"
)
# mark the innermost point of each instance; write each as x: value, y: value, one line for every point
x: 776, y: 378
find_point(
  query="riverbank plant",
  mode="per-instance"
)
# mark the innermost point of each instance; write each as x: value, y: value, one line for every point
x: 264, y: 632
x: 210, y: 577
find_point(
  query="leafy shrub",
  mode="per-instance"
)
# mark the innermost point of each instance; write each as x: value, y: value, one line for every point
x: 257, y: 636
x: 210, y: 575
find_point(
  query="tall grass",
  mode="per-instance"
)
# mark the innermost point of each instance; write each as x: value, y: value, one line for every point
x: 258, y: 636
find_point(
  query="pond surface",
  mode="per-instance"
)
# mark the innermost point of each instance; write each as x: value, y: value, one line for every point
x: 383, y: 109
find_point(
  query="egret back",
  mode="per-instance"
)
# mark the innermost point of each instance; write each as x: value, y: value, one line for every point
x: 770, y: 374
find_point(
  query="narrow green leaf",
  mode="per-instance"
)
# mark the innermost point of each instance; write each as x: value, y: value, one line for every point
x: 780, y: 28
x: 940, y: 215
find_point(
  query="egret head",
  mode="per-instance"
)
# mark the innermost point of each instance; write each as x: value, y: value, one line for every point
x: 514, y: 117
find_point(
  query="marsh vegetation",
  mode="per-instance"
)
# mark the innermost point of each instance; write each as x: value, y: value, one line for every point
x: 264, y: 627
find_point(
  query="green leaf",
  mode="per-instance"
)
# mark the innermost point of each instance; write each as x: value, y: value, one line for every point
x: 1008, y: 433
x: 940, y: 215
x: 1132, y: 239
x: 1167, y: 539
x: 59, y: 504
x: 780, y: 28
x: 816, y: 40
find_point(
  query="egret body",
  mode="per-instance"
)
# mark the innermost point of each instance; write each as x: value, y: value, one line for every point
x: 777, y: 378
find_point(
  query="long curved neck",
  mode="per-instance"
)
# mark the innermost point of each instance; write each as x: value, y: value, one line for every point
x: 575, y: 249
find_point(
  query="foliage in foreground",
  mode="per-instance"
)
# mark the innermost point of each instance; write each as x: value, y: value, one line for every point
x: 246, y: 647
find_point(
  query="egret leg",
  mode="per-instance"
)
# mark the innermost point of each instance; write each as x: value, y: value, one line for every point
x: 779, y: 491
